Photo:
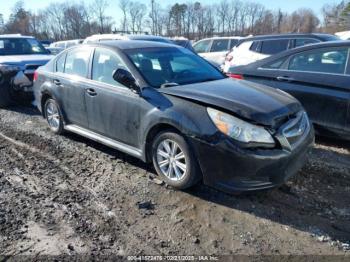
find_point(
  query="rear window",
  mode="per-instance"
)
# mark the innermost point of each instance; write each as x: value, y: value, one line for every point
x: 270, y: 47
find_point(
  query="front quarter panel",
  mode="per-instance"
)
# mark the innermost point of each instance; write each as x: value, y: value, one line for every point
x: 188, y: 117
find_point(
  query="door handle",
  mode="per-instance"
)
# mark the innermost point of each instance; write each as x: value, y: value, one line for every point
x: 91, y: 92
x: 285, y: 78
x: 57, y: 82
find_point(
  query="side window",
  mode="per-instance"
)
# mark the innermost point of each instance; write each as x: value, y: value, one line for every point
x: 219, y: 45
x: 305, y: 41
x: 275, y: 64
x: 321, y: 60
x: 60, y: 63
x: 233, y: 43
x: 270, y: 47
x: 202, y: 46
x: 255, y: 46
x: 104, y: 64
x: 77, y: 62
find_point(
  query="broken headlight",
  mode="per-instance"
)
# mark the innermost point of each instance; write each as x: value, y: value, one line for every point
x: 238, y: 129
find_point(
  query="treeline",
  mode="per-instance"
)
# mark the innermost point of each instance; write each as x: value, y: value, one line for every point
x: 71, y: 20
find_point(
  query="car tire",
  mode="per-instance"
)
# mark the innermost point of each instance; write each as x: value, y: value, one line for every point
x: 174, y: 161
x: 53, y: 116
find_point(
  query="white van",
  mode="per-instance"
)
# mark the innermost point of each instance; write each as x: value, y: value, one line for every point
x: 215, y: 49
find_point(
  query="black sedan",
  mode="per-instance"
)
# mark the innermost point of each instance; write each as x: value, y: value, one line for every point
x: 317, y: 75
x: 163, y: 104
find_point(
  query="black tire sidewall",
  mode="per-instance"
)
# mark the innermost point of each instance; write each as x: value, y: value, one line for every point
x: 192, y: 176
x: 61, y: 124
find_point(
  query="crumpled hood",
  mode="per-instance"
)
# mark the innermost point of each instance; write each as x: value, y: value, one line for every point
x: 261, y: 104
x: 22, y: 60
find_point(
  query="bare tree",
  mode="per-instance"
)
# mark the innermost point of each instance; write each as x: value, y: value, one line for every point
x: 99, y: 8
x: 222, y: 13
x: 124, y: 7
x: 136, y: 12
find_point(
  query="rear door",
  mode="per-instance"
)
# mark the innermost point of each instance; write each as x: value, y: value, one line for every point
x: 70, y: 80
x: 318, y: 79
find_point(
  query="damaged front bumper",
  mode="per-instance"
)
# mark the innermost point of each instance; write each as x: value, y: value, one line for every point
x: 18, y: 81
x: 233, y: 169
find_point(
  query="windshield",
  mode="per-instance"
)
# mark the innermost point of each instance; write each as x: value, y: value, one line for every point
x: 172, y: 65
x: 21, y: 46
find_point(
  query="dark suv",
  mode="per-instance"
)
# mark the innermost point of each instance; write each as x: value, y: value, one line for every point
x: 164, y: 104
x: 20, y: 56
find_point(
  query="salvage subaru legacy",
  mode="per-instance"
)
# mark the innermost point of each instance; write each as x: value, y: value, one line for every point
x: 20, y: 56
x: 163, y: 104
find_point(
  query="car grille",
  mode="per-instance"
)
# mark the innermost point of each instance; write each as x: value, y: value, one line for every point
x: 292, y: 132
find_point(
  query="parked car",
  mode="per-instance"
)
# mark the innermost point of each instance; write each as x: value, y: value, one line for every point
x: 67, y: 43
x: 151, y: 38
x: 317, y: 75
x: 54, y: 50
x: 345, y: 35
x: 215, y: 49
x: 108, y: 37
x: 46, y: 43
x: 255, y: 48
x: 164, y: 104
x: 180, y: 41
x: 20, y: 56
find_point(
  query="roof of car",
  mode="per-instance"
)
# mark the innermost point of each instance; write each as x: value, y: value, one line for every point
x: 127, y: 44
x: 222, y: 37
x: 295, y: 35
x: 15, y: 36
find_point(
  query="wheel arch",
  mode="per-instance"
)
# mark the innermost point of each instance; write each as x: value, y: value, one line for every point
x: 153, y: 132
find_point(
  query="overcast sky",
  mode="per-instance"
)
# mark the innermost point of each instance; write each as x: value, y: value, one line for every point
x: 113, y: 10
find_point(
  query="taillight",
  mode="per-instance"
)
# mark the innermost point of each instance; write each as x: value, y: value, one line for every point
x: 235, y: 76
x: 35, y: 77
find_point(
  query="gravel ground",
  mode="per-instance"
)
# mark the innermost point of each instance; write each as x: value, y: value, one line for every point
x: 66, y: 195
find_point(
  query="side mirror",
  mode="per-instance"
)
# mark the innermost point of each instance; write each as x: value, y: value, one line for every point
x: 125, y: 78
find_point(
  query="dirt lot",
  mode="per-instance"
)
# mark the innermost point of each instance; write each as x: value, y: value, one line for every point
x: 66, y: 195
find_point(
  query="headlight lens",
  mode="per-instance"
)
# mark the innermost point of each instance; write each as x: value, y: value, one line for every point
x: 238, y: 129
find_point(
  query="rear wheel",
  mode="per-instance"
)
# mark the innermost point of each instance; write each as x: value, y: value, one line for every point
x: 53, y: 116
x: 174, y: 160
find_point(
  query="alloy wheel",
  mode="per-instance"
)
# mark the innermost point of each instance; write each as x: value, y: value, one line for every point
x: 171, y: 160
x: 53, y: 115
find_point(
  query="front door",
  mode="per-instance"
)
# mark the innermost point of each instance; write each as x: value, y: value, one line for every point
x: 113, y: 109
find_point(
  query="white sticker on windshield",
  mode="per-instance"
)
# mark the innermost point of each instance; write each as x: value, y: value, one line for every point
x: 2, y: 44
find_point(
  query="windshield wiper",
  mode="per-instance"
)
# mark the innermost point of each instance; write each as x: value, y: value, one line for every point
x: 169, y: 85
x: 207, y: 80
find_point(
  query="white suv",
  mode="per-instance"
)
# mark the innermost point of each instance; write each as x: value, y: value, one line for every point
x: 252, y: 49
x: 215, y: 49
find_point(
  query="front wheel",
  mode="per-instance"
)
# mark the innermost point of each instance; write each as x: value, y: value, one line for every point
x: 53, y: 116
x: 174, y: 160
